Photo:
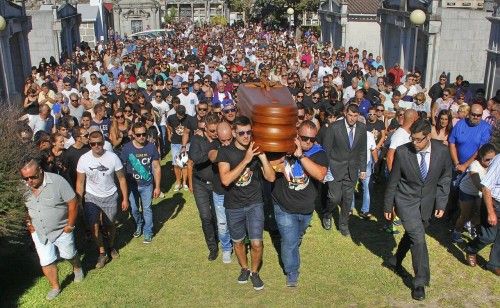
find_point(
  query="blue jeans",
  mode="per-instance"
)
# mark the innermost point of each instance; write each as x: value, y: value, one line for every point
x: 292, y: 227
x: 365, y: 208
x: 223, y: 230
x: 145, y: 194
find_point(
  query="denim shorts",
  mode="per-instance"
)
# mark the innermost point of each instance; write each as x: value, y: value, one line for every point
x: 466, y: 197
x: 63, y: 246
x: 248, y: 220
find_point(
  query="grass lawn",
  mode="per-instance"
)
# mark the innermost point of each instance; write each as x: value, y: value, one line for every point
x: 174, y: 270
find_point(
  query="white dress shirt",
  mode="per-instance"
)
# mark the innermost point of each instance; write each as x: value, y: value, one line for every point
x: 492, y: 178
x: 427, y: 156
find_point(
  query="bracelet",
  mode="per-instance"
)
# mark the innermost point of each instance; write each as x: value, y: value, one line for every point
x: 301, y: 156
x: 71, y: 227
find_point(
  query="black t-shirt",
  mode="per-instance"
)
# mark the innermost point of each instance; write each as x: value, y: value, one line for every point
x: 178, y: 126
x: 216, y: 184
x: 247, y: 189
x: 347, y: 78
x: 198, y: 153
x: 373, y: 95
x: 378, y: 126
x: 297, y: 196
x: 174, y: 92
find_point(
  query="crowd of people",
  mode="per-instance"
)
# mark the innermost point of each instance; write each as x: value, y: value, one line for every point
x: 104, y: 118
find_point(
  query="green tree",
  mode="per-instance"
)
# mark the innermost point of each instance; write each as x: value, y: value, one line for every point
x: 12, y: 151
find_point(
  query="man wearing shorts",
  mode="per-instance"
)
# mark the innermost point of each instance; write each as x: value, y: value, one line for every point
x: 52, y: 212
x: 95, y: 184
x: 242, y: 168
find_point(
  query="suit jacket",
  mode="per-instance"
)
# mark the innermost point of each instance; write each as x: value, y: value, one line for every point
x: 342, y: 158
x: 414, y: 197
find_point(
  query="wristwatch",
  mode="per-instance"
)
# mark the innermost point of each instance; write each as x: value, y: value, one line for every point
x: 301, y: 156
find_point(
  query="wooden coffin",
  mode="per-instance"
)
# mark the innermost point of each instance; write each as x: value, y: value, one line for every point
x: 273, y: 114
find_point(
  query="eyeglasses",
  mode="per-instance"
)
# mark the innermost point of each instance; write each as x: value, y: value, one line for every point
x: 66, y: 84
x: 211, y: 67
x: 229, y: 110
x: 94, y: 144
x: 205, y: 81
x: 417, y: 140
x: 306, y: 138
x: 477, y: 115
x: 32, y: 177
x: 243, y: 133
x: 140, y: 135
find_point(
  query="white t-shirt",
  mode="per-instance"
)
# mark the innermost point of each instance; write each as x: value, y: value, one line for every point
x: 466, y: 184
x: 100, y: 173
x: 399, y: 137
x: 370, y: 146
x: 163, y: 108
x: 189, y: 101
x: 94, y: 90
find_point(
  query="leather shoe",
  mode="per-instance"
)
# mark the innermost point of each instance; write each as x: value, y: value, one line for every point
x: 496, y: 271
x: 326, y: 222
x: 345, y: 233
x: 213, y: 255
x: 471, y: 259
x: 393, y: 264
x: 418, y: 293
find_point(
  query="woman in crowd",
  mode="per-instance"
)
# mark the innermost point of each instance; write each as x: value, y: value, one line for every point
x: 119, y: 131
x: 443, y: 103
x: 463, y: 113
x: 30, y: 104
x: 442, y: 128
x: 420, y: 103
x: 470, y: 195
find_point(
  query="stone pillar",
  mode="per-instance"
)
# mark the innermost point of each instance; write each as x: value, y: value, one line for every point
x: 5, y: 58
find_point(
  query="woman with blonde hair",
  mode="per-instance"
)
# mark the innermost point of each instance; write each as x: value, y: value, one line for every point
x: 119, y: 130
x: 463, y: 112
x: 420, y: 103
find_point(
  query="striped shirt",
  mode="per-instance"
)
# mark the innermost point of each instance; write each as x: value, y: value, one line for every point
x: 492, y: 178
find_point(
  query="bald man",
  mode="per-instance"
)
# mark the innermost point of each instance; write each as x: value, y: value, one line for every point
x: 224, y: 138
x: 467, y: 136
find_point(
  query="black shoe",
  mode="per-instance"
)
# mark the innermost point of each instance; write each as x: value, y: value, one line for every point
x: 418, y: 293
x: 213, y: 255
x: 244, y: 274
x: 366, y: 216
x: 326, y: 222
x: 393, y: 264
x: 345, y: 233
x: 257, y: 283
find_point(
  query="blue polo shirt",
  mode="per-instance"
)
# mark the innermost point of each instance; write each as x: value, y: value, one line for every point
x: 468, y: 139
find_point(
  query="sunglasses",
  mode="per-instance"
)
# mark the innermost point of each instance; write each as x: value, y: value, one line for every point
x: 94, y: 144
x: 243, y: 133
x: 149, y: 85
x: 230, y: 110
x: 477, y: 115
x: 127, y: 110
x: 74, y: 100
x: 301, y: 117
x: 85, y: 135
x: 487, y: 159
x: 139, y: 135
x: 306, y: 138
x: 202, y: 109
x: 184, y: 88
x: 33, y: 177
x: 158, y: 96
x: 121, y: 116
x: 380, y: 110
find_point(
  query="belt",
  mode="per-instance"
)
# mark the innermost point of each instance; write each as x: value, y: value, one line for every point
x: 202, y: 179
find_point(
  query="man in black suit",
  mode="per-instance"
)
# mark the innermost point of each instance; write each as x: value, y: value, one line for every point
x: 419, y: 183
x: 345, y: 145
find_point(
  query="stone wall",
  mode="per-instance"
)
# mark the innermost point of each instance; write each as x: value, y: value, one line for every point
x: 364, y: 35
x: 41, y: 37
x: 87, y: 33
x: 463, y: 43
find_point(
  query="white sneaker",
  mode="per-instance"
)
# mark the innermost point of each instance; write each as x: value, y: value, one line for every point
x: 185, y: 187
x: 162, y: 195
x: 177, y: 187
x: 226, y: 257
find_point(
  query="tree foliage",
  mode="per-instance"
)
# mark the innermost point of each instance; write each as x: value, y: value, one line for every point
x: 275, y: 11
x: 12, y: 189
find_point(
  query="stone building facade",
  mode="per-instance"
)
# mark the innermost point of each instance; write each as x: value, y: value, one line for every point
x: 492, y: 75
x: 351, y: 23
x: 15, y: 62
x: 452, y: 39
